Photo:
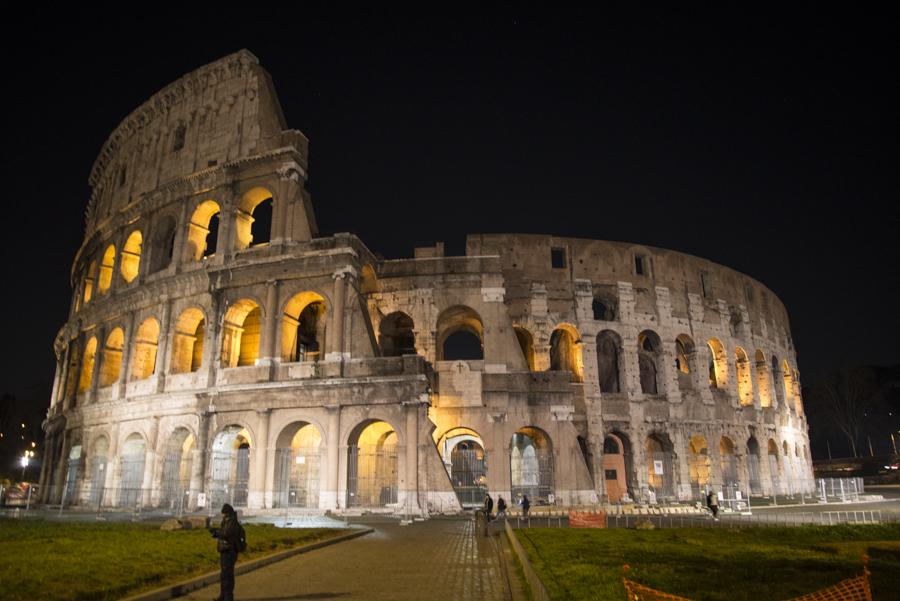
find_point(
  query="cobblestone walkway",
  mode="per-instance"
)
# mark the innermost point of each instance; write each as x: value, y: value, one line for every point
x: 433, y: 560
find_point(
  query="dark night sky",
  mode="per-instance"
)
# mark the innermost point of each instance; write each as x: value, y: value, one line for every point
x: 765, y: 143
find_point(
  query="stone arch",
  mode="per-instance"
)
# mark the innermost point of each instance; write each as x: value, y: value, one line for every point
x: 396, y: 335
x: 698, y: 465
x: 460, y: 334
x: 526, y: 343
x: 728, y: 461
x: 649, y: 349
x: 660, y: 456
x: 685, y: 353
x: 565, y: 351
x: 778, y: 380
x: 787, y: 376
x: 303, y: 325
x: 744, y: 379
x: 718, y: 364
x: 463, y: 452
x: 298, y: 451
x: 609, y: 351
x: 177, y: 459
x: 230, y: 466
x: 98, y: 462
x: 617, y: 465
x: 774, y: 464
x: 753, y: 466
x: 188, y: 339
x: 111, y: 366
x: 372, y: 464
x: 162, y: 246
x: 130, y: 262
x: 89, y: 282
x: 107, y: 265
x: 87, y: 365
x: 132, y: 460
x: 203, y: 231
x: 146, y: 341
x: 603, y: 308
x: 531, y: 466
x: 253, y: 221
x: 240, y: 334
x: 762, y: 379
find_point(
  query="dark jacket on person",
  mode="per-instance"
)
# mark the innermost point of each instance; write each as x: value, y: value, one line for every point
x: 501, y: 505
x: 229, y: 532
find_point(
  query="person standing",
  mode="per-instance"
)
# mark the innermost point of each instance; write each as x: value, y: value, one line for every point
x: 501, y: 508
x: 526, y: 505
x: 488, y: 507
x: 712, y: 499
x: 231, y: 541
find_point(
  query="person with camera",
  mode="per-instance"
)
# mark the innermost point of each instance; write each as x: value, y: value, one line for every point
x: 231, y: 541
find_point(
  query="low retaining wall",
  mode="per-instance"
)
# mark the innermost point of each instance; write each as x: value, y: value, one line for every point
x: 538, y: 590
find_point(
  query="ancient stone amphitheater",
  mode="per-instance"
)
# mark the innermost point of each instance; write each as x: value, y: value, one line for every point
x: 219, y: 349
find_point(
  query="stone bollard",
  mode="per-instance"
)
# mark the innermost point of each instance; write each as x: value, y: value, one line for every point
x: 481, y: 523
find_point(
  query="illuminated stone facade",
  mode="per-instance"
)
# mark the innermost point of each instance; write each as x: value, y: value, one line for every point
x: 218, y: 349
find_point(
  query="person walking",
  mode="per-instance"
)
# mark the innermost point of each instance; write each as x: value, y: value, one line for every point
x: 501, y: 508
x: 231, y: 541
x: 526, y: 505
x: 488, y: 507
x: 712, y: 500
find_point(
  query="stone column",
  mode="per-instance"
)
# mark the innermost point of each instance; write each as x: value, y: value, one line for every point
x: 150, y: 493
x: 112, y: 465
x: 667, y: 373
x: 162, y: 349
x: 127, y: 352
x: 198, y: 463
x: 91, y: 395
x: 412, y: 457
x: 329, y: 497
x: 60, y: 475
x: 257, y: 483
x: 335, y: 333
x: 270, y: 328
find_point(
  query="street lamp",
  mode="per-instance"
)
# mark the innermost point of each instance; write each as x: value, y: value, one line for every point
x: 24, y: 462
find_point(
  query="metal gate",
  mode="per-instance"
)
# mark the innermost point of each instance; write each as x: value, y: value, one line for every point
x: 531, y: 471
x: 661, y: 470
x: 297, y: 477
x: 176, y: 480
x: 371, y: 476
x: 729, y: 470
x: 773, y: 473
x: 132, y: 479
x: 753, y: 469
x: 98, y: 480
x: 72, y: 474
x: 230, y: 478
x: 468, y: 473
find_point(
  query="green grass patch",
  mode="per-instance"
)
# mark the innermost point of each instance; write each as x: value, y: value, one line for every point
x: 713, y: 564
x: 75, y: 561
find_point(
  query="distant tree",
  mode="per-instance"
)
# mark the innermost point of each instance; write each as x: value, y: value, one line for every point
x: 848, y: 396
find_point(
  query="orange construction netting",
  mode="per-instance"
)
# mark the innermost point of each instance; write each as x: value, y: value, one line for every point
x: 851, y: 589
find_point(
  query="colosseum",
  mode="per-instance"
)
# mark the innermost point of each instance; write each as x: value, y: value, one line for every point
x: 218, y: 348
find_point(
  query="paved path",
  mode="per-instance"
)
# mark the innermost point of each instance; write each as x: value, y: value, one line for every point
x: 433, y: 560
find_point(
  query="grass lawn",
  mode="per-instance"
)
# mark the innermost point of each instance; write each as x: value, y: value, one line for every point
x: 759, y: 564
x: 49, y: 560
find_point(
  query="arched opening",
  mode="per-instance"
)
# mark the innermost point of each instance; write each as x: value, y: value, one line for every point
x: 131, y: 467
x: 718, y: 364
x: 297, y: 459
x: 531, y: 466
x: 130, y: 262
x: 762, y: 380
x: 253, y: 220
x: 99, y: 455
x: 617, y: 466
x: 460, y: 335
x: 649, y: 347
x: 372, y: 475
x: 303, y: 328
x: 526, y: 343
x: 87, y: 365
x: 73, y: 474
x: 778, y: 379
x: 187, y: 342
x: 111, y: 367
x: 240, y: 334
x: 608, y: 350
x: 774, y: 465
x: 462, y: 451
x: 396, y: 336
x: 107, y: 264
x: 744, y: 380
x: 788, y: 383
x: 89, y: 282
x: 145, y: 344
x: 176, y: 475
x: 660, y: 466
x: 753, y: 466
x: 684, y: 359
x: 163, y: 246
x: 203, y: 230
x: 230, y: 467
x: 565, y: 352
x: 72, y: 370
x: 728, y: 462
x: 602, y: 310
x: 698, y: 465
